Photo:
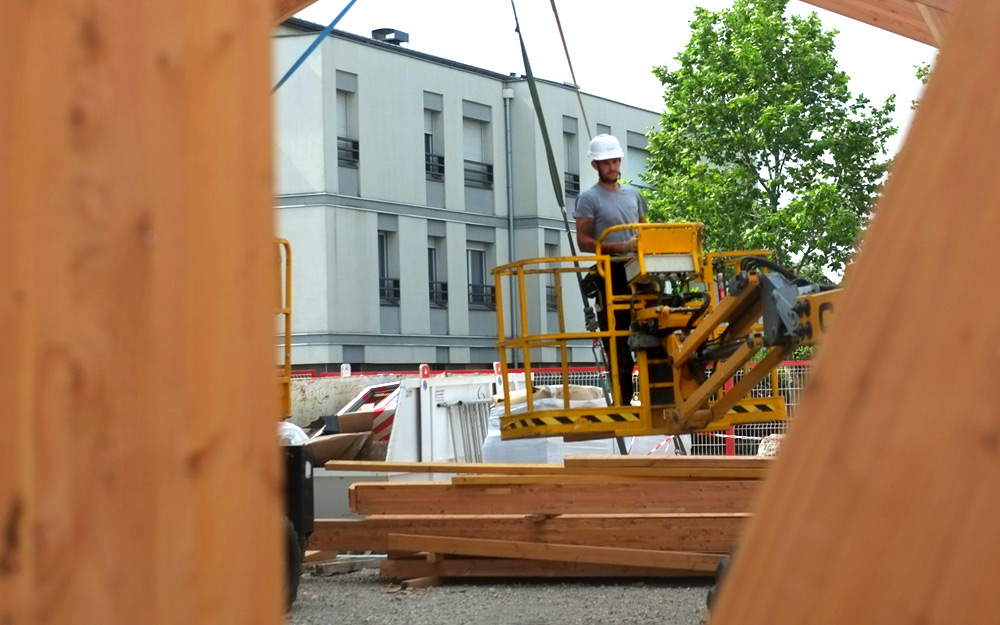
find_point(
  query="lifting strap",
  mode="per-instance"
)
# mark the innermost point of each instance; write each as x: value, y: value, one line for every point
x: 313, y: 46
x: 600, y: 358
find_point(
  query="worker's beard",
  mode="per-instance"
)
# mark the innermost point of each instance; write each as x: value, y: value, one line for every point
x: 609, y: 179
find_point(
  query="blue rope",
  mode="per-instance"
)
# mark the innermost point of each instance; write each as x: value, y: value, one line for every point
x: 315, y: 44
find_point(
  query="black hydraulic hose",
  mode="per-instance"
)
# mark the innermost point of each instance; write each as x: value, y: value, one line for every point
x: 705, y: 301
x: 751, y: 262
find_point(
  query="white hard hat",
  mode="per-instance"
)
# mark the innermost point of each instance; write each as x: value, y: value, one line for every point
x: 603, y: 147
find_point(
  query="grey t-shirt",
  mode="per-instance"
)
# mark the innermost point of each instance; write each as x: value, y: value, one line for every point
x: 611, y: 208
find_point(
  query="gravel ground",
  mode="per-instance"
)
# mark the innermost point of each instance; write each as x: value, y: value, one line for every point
x: 364, y: 597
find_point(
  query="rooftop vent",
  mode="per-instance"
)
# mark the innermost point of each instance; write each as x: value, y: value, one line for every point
x: 390, y: 35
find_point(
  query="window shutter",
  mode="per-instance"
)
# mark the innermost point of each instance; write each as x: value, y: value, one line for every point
x: 342, y: 115
x: 635, y: 164
x: 472, y: 140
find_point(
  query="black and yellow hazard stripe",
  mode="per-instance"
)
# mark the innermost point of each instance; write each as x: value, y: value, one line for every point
x: 745, y: 408
x: 566, y: 420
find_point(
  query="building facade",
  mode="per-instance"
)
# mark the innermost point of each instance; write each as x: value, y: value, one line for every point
x: 402, y: 179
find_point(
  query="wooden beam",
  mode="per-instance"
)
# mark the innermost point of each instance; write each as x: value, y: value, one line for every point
x: 422, y: 582
x: 284, y: 9
x: 896, y: 16
x: 882, y: 506
x: 642, y: 497
x: 935, y: 19
x: 681, y: 470
x: 675, y: 560
x: 445, y: 467
x: 506, y: 567
x: 135, y: 270
x: 715, y: 533
x: 595, y: 478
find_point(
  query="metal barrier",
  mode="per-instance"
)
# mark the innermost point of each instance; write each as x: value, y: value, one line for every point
x: 744, y: 439
x: 741, y: 440
x: 468, y: 423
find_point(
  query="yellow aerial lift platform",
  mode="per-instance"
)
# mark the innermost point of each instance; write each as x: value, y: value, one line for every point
x: 697, y: 320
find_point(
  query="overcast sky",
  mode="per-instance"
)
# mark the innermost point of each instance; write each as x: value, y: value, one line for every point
x: 613, y: 44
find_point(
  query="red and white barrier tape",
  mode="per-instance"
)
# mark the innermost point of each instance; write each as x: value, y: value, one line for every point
x: 769, y: 437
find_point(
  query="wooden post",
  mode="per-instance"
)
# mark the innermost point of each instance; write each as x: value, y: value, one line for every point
x: 139, y: 467
x: 883, y: 503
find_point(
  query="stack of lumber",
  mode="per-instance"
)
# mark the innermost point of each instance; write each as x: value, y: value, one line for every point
x: 591, y: 516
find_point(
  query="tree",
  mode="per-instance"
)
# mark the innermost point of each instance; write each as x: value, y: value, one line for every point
x: 762, y: 141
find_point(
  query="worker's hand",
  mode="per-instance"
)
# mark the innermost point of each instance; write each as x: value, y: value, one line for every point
x: 632, y: 244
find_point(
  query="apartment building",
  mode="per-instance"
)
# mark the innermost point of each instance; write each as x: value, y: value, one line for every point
x: 402, y: 179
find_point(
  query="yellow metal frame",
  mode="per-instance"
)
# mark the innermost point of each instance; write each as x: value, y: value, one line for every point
x: 284, y: 307
x: 697, y: 406
x: 578, y: 420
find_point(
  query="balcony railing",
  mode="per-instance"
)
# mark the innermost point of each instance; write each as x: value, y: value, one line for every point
x: 572, y: 184
x: 348, y: 152
x: 482, y: 295
x: 388, y: 290
x: 439, y: 293
x: 551, y: 299
x: 478, y: 174
x: 434, y: 165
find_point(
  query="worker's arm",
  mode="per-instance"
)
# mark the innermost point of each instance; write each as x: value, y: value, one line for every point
x: 586, y: 239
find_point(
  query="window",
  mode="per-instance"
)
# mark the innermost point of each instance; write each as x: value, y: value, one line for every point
x: 348, y: 150
x: 438, y: 287
x: 635, y: 164
x: 572, y: 175
x: 551, y: 295
x: 603, y: 129
x: 635, y: 158
x: 433, y: 154
x: 478, y: 173
x: 480, y: 293
x: 388, y: 288
x: 571, y: 148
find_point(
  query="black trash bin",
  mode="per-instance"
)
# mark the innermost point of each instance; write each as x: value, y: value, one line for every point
x: 299, y: 490
x: 299, y: 513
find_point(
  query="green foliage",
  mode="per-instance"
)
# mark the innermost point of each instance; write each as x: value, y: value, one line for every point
x: 923, y: 74
x: 763, y: 142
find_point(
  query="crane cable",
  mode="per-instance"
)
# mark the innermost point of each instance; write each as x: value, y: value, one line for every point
x: 576, y: 86
x: 600, y: 357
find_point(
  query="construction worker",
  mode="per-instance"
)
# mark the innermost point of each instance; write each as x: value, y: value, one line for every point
x: 609, y: 203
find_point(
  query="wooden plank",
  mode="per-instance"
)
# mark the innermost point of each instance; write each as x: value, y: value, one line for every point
x: 318, y: 555
x: 676, y: 560
x: 444, y: 467
x: 502, y: 480
x: 714, y: 533
x: 883, y: 504
x: 425, y: 581
x: 135, y: 272
x: 647, y: 496
x: 342, y: 564
x: 682, y: 471
x: 506, y: 567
